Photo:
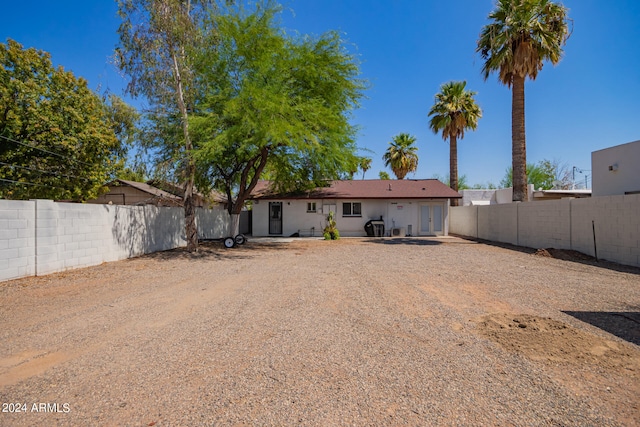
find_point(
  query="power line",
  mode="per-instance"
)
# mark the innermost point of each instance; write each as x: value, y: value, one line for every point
x: 43, y: 171
x: 46, y: 151
x: 30, y: 183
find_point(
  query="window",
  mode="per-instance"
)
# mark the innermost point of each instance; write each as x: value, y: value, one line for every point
x: 352, y: 209
x: 311, y: 206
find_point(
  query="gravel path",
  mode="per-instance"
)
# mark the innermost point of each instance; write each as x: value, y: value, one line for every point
x: 352, y: 332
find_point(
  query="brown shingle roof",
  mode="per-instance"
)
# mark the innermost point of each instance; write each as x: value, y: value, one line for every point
x: 367, y: 189
x: 177, y: 190
x: 150, y: 190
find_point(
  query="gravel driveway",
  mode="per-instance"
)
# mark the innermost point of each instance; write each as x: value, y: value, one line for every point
x: 351, y: 332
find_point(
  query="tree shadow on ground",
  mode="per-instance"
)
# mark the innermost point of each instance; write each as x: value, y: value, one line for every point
x: 215, y: 250
x: 422, y: 241
x: 625, y: 325
x: 562, y: 254
x: 405, y: 241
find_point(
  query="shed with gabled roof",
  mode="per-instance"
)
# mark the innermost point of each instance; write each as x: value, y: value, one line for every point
x: 157, y: 193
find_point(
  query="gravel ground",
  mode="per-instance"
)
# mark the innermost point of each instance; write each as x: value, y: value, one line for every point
x: 351, y: 332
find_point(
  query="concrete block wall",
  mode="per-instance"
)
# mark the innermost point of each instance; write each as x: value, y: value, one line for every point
x: 545, y: 224
x: 213, y: 223
x: 17, y: 239
x: 616, y: 220
x: 560, y: 224
x: 71, y: 235
x: 41, y: 236
x: 498, y: 222
x: 68, y: 236
x: 463, y: 220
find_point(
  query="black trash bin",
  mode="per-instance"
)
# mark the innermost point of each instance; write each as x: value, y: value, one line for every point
x: 374, y: 228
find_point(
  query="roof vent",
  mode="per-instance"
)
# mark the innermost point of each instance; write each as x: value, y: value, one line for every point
x: 389, y: 186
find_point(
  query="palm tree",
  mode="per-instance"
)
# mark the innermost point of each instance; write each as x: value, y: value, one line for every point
x: 521, y: 35
x: 454, y: 111
x: 365, y: 165
x: 401, y: 155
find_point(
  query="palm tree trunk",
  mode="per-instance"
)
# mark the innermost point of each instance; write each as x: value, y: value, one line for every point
x: 453, y: 166
x: 518, y: 141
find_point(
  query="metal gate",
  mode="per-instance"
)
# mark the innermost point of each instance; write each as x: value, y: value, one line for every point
x: 275, y: 217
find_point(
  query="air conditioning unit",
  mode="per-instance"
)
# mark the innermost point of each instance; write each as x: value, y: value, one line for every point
x: 398, y: 232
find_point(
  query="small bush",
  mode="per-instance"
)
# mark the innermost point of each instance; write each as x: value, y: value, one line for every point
x: 330, y: 232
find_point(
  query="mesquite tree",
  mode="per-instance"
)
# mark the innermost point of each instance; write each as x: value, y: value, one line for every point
x: 273, y: 105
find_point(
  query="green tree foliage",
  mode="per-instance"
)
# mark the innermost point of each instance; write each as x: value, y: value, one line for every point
x: 546, y: 175
x: 274, y: 104
x: 401, y: 155
x: 384, y: 175
x: 454, y: 111
x: 521, y: 35
x: 462, y: 181
x: 158, y: 41
x: 58, y: 139
x: 484, y: 186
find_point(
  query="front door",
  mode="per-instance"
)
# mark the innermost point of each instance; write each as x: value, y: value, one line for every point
x: 275, y: 217
x: 431, y: 219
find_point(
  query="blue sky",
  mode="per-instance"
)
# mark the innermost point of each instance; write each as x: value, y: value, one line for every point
x: 407, y: 49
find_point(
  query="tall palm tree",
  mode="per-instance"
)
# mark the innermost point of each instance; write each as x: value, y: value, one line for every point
x: 521, y: 35
x: 454, y: 111
x: 401, y: 155
x: 365, y: 165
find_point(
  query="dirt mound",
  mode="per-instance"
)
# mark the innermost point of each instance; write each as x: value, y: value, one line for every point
x: 583, y: 362
x: 564, y: 254
x: 543, y: 252
x: 549, y: 340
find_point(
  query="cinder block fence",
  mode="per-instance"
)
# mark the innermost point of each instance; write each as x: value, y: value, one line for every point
x: 41, y: 236
x: 561, y: 224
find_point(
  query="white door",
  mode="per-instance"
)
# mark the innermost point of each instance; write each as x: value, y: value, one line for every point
x: 432, y: 219
x: 425, y: 219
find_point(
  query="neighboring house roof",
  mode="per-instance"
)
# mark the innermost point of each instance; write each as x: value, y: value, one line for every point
x: 177, y: 190
x: 560, y: 194
x: 366, y: 189
x: 154, y: 192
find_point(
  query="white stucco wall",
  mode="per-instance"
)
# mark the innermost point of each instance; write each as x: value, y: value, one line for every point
x: 472, y: 195
x: 616, y: 170
x: 395, y: 213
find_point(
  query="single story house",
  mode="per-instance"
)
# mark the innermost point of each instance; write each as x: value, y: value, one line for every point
x: 123, y: 192
x: 157, y: 193
x: 411, y: 207
x: 475, y: 197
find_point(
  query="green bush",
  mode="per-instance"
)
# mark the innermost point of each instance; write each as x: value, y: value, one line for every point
x: 331, y: 232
